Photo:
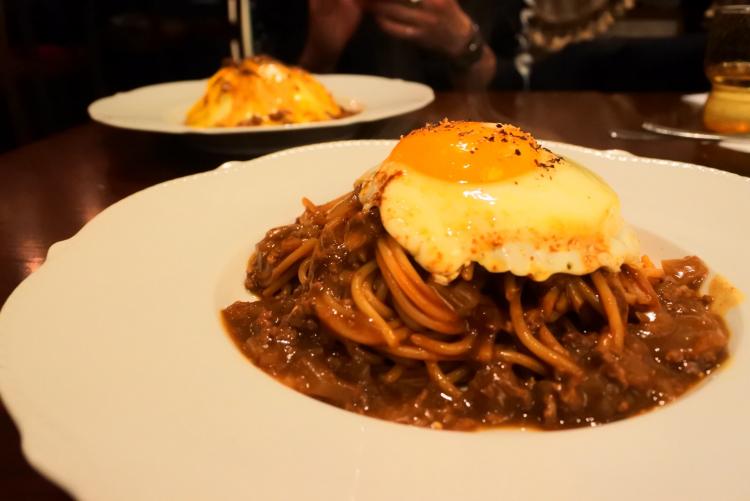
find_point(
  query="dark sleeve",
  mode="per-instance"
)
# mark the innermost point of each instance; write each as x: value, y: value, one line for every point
x: 280, y: 28
x: 500, y: 23
x: 673, y: 64
x: 501, y: 26
x: 693, y: 14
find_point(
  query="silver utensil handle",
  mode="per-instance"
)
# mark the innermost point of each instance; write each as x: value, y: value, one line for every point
x: 688, y: 134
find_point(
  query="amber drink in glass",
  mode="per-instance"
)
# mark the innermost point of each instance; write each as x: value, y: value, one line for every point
x: 728, y: 67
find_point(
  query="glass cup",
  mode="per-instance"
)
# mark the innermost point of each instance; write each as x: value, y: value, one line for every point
x: 728, y: 68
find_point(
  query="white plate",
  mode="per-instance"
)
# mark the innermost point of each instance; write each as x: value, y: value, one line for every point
x: 697, y: 100
x: 115, y: 366
x: 163, y: 107
x: 741, y: 146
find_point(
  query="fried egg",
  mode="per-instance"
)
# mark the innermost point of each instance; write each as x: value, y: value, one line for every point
x: 457, y: 193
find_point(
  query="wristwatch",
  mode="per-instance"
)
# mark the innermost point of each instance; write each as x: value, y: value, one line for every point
x: 473, y: 51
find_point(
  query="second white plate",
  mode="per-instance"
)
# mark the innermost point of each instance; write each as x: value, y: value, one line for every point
x: 163, y: 107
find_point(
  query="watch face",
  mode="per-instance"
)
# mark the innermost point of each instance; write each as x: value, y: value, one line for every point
x: 474, y: 46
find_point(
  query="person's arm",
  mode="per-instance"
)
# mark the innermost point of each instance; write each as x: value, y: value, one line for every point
x: 475, y: 65
x: 442, y: 26
x: 331, y: 25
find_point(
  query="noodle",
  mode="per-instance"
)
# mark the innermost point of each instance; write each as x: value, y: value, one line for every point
x: 574, y: 296
x: 548, y: 303
x: 445, y: 384
x: 300, y: 252
x: 642, y: 279
x: 514, y: 357
x: 411, y: 352
x: 555, y: 359
x: 338, y: 275
x: 412, y: 309
x: 367, y: 307
x: 279, y: 282
x: 303, y: 272
x: 467, y: 272
x: 546, y: 336
x: 587, y: 294
x: 333, y: 314
x: 617, y: 328
x: 406, y: 279
x: 393, y: 374
x: 444, y: 349
x: 486, y: 347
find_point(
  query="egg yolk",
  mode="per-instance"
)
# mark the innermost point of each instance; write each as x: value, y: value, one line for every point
x: 465, y: 152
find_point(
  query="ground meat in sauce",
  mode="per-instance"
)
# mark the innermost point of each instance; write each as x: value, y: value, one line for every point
x: 668, y: 348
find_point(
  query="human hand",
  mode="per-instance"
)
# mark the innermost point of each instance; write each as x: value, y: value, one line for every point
x: 440, y: 25
x: 332, y: 23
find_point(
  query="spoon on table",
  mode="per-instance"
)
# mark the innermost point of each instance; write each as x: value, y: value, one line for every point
x: 655, y: 131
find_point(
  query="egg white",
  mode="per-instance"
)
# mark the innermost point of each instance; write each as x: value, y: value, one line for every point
x: 557, y: 219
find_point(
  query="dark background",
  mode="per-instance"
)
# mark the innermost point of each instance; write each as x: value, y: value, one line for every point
x: 57, y: 56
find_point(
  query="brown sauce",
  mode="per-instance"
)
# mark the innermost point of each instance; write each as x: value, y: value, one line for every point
x: 669, y: 347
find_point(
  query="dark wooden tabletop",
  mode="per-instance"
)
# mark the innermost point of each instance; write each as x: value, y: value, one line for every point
x: 50, y: 189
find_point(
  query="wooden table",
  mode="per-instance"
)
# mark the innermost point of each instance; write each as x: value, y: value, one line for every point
x: 50, y: 189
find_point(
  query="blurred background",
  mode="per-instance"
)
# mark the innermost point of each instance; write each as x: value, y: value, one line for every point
x: 57, y: 56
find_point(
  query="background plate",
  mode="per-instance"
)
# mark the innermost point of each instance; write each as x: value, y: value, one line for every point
x: 162, y: 108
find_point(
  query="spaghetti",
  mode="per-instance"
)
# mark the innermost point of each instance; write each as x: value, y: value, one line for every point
x: 344, y: 315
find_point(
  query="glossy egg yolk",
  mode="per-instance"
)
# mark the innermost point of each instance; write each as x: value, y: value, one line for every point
x: 464, y: 152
